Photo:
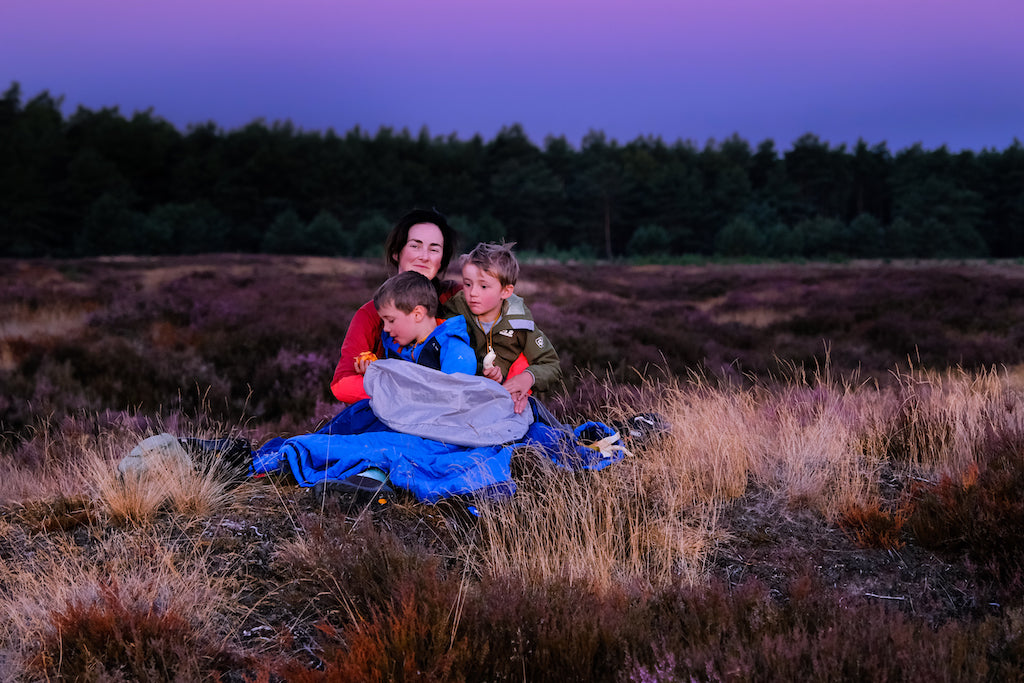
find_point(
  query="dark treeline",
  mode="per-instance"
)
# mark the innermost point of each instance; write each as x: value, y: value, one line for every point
x: 98, y: 182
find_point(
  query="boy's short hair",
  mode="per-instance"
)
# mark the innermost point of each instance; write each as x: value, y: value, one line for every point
x: 406, y: 291
x: 496, y: 260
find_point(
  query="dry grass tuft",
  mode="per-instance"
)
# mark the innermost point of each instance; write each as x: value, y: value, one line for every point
x: 706, y: 457
x: 173, y: 486
x: 811, y: 448
x: 945, y: 418
x: 650, y: 518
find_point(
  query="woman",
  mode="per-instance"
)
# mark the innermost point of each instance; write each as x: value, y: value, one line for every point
x: 422, y: 241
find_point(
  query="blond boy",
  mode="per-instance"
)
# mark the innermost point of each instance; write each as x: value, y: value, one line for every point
x: 501, y: 327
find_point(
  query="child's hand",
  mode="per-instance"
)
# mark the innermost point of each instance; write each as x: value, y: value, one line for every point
x: 519, y: 388
x: 491, y: 372
x: 363, y: 361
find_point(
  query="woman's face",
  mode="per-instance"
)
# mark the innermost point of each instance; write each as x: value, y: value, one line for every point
x: 422, y: 250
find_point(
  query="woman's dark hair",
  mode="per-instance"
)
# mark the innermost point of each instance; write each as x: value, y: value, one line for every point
x: 399, y: 235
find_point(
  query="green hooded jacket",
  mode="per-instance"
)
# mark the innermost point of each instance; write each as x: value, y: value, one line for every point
x: 514, y: 333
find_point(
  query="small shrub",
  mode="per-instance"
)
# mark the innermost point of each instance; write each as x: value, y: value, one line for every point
x: 979, y: 513
x: 873, y: 527
x: 114, y: 635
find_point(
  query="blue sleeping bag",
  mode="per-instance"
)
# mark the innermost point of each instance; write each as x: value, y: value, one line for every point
x: 433, y: 467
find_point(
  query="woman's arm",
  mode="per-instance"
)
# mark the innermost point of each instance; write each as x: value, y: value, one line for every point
x: 363, y: 335
x: 544, y: 364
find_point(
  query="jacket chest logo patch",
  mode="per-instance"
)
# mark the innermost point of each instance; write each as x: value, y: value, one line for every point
x: 506, y: 333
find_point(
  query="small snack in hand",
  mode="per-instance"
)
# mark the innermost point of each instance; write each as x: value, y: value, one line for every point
x: 368, y: 356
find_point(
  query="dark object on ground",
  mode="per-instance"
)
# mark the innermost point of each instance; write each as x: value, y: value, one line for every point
x: 462, y: 509
x: 642, y: 426
x: 230, y: 455
x: 360, y: 489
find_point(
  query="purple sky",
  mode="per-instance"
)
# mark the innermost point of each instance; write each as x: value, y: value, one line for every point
x: 897, y: 71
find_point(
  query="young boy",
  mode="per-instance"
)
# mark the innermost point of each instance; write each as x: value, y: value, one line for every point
x: 407, y: 305
x: 500, y: 325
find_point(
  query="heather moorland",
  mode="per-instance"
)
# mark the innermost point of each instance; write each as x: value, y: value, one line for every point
x: 840, y: 497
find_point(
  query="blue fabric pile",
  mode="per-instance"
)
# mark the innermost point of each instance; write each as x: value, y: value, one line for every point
x: 430, y: 469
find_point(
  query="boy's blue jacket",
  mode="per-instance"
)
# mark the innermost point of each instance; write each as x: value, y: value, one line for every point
x: 433, y: 468
x: 446, y: 349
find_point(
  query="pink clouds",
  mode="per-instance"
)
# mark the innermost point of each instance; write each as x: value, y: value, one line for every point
x: 883, y: 70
